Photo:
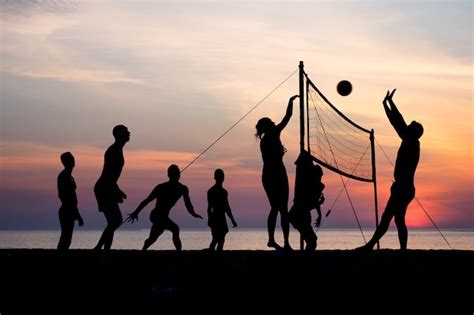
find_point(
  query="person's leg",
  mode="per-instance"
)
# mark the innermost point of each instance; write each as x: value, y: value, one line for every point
x: 311, y: 241
x: 67, y: 226
x: 155, y: 232
x: 400, y: 220
x: 285, y: 222
x: 174, y: 228
x: 101, y: 241
x: 220, y: 243
x: 309, y: 237
x: 295, y: 217
x: 272, y: 195
x: 307, y: 232
x: 402, y: 231
x: 213, y: 244
x: 114, y: 220
x: 101, y: 198
x: 384, y: 223
x: 271, y: 224
x: 285, y: 225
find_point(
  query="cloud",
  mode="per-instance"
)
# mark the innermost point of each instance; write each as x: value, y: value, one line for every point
x: 75, y: 75
x: 31, y: 7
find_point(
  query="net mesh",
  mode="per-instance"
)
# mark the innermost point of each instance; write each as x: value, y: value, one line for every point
x: 334, y: 140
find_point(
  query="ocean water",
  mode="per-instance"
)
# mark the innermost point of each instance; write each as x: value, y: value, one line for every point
x: 238, y: 239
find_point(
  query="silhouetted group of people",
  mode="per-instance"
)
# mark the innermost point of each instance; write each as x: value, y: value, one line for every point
x: 308, y: 190
x: 109, y: 195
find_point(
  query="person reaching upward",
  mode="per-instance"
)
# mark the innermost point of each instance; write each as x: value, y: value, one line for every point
x: 274, y: 177
x: 402, y: 191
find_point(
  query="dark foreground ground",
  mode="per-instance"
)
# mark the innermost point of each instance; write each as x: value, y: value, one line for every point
x: 236, y: 282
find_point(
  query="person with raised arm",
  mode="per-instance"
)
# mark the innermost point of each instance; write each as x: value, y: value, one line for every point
x: 402, y: 191
x: 274, y: 176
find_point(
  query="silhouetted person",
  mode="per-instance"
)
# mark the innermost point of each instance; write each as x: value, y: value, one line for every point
x: 274, y: 177
x: 308, y: 196
x: 403, y: 188
x: 68, y: 212
x: 166, y: 195
x: 107, y: 191
x: 217, y: 208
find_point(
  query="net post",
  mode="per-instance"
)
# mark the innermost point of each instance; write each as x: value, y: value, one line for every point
x: 301, y: 81
x: 374, y: 178
x: 302, y: 122
x: 308, y: 139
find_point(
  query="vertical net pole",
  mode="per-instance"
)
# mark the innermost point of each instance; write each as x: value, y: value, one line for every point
x: 301, y: 83
x: 374, y: 178
x: 308, y: 139
x: 301, y: 66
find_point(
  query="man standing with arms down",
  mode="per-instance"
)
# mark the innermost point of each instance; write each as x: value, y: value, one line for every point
x: 68, y: 213
x: 402, y: 191
x: 107, y: 191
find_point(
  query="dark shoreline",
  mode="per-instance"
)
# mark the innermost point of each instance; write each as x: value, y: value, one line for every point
x: 36, y: 281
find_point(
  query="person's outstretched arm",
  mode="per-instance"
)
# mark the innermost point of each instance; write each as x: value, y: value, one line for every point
x: 134, y: 215
x: 394, y: 115
x: 188, y: 204
x: 289, y: 112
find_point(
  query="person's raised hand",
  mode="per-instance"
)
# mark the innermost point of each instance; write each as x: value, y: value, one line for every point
x: 388, y: 98
x: 293, y: 97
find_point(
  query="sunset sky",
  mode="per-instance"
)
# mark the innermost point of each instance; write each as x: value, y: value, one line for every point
x: 179, y: 73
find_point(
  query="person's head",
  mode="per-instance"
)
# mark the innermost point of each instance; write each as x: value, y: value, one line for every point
x: 121, y: 133
x: 263, y: 126
x: 174, y: 173
x: 68, y: 160
x: 304, y: 159
x: 219, y: 176
x: 318, y: 171
x: 415, y: 130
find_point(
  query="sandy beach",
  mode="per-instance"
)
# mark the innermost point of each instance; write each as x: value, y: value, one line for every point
x: 234, y: 282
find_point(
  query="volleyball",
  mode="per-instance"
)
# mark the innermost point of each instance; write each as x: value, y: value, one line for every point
x: 344, y: 88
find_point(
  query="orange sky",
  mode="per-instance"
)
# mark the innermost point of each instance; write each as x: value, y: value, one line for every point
x: 179, y: 75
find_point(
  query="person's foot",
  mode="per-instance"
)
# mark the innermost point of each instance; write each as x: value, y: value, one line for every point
x: 287, y: 247
x: 364, y: 249
x: 273, y: 244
